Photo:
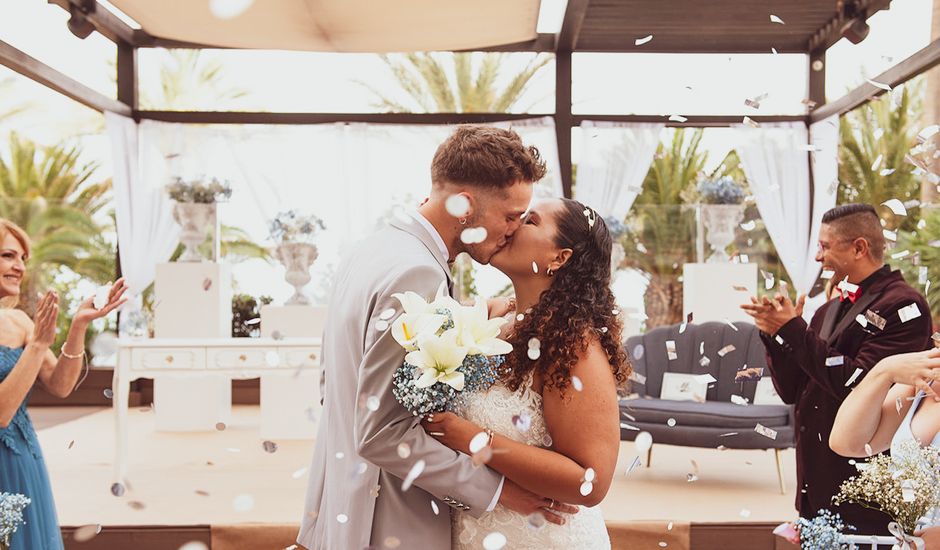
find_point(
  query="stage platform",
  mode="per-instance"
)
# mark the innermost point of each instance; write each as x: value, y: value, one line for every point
x: 224, y: 489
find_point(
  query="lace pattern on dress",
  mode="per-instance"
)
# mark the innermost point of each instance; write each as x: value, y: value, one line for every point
x: 21, y: 427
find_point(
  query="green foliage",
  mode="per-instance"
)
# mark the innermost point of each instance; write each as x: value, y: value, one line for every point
x: 886, y: 128
x: 453, y: 83
x: 192, y: 80
x: 923, y: 242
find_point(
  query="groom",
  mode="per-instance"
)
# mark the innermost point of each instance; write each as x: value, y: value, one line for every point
x: 367, y: 443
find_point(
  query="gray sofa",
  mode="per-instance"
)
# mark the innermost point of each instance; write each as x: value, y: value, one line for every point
x: 703, y: 424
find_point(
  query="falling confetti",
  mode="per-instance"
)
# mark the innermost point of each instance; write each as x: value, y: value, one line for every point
x: 342, y: 518
x: 704, y: 361
x: 671, y: 350
x: 522, y: 421
x: 886, y: 172
x: 738, y: 400
x: 879, y: 85
x: 643, y: 441
x: 536, y: 521
x: 479, y: 441
x: 101, y: 296
x: 644, y: 40
x: 435, y: 509
x: 494, y: 541
x: 299, y: 473
x: 909, y: 313
x: 269, y: 447
x: 372, y: 403
x: 678, y: 118
x: 638, y: 351
x: 404, y: 450
x: 86, y: 532
x: 534, y: 353
x: 671, y: 422
x: 109, y: 393
x: 749, y: 225
x: 413, y: 475
x: 243, y: 503
x: 726, y: 350
x: 535, y: 267
x: 890, y: 235
x: 634, y: 465
x: 827, y: 274
x: 854, y: 377
x: 901, y: 255
x: 868, y: 450
x: 392, y: 542
x: 876, y: 319
x: 765, y: 431
x: 750, y: 122
x: 836, y: 361
x: 457, y: 205
x: 576, y: 382
x: 586, y: 488
x: 473, y: 235
x: 117, y: 489
x: 775, y: 19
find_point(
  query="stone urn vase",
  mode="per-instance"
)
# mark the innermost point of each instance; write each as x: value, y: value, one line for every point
x: 720, y: 223
x: 297, y: 257
x: 194, y: 219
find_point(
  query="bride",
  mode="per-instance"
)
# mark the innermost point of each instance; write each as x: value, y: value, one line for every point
x: 552, y: 422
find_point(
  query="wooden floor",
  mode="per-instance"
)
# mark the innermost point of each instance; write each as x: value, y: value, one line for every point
x: 182, y: 487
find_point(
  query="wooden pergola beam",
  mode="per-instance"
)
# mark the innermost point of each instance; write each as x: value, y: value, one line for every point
x: 241, y: 117
x: 105, y: 22
x: 831, y: 32
x: 47, y: 76
x: 918, y: 63
x: 575, y: 12
x: 691, y: 121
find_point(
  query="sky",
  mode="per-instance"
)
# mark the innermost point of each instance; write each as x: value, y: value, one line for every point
x: 660, y: 84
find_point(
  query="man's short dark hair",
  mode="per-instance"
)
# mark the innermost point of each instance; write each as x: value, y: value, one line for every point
x: 858, y: 220
x: 486, y: 156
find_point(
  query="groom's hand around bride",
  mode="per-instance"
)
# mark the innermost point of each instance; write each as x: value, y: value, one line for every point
x: 526, y: 503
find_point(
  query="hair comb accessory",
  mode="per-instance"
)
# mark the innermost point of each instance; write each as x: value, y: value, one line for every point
x: 591, y: 217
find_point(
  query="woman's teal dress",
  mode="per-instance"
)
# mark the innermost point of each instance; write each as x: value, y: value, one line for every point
x: 23, y: 471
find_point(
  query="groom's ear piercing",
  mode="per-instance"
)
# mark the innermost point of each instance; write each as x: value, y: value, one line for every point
x: 462, y: 221
x: 549, y: 272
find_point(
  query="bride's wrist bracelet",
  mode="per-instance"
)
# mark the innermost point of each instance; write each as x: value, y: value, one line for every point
x: 67, y: 355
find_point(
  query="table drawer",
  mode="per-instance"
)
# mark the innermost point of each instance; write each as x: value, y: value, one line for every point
x: 228, y: 358
x: 296, y: 358
x: 168, y: 358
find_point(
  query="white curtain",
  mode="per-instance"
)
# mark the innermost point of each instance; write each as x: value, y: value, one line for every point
x: 776, y: 159
x: 824, y: 161
x: 615, y: 158
x: 146, y: 231
x: 352, y: 176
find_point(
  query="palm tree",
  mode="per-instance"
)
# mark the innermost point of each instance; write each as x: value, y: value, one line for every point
x: 662, y: 229
x: 49, y: 192
x: 453, y: 83
x: 190, y: 81
x: 931, y: 115
x: 924, y: 241
x: 874, y: 141
x: 10, y: 108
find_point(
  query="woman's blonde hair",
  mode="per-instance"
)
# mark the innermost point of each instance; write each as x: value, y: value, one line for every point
x: 9, y: 228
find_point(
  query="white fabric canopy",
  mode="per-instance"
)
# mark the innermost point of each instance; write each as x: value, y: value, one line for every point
x: 338, y: 25
x: 615, y: 158
x: 775, y: 159
x: 353, y: 176
x: 147, y: 234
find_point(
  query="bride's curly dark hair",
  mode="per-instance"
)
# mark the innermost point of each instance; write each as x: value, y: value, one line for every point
x: 577, y: 307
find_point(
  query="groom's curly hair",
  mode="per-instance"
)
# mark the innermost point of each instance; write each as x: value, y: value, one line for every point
x: 578, y: 307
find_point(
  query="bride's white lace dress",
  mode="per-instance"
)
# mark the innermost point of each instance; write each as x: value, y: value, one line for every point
x: 495, y: 410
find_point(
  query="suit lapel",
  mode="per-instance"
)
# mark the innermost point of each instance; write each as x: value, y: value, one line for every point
x: 829, y: 321
x: 415, y: 229
x: 858, y: 307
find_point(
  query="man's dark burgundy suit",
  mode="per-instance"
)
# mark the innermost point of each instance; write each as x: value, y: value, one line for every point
x: 797, y: 357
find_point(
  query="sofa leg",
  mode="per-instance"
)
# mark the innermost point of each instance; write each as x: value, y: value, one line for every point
x: 649, y: 456
x: 783, y: 487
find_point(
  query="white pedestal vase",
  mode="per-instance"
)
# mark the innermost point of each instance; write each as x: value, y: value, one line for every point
x: 297, y: 259
x: 720, y: 222
x: 194, y: 218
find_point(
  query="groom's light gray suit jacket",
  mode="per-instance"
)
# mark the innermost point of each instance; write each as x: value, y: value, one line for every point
x: 357, y: 472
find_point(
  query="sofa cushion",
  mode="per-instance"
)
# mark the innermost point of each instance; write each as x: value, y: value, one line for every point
x: 712, y: 414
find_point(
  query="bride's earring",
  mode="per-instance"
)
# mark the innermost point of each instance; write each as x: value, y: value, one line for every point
x: 549, y: 272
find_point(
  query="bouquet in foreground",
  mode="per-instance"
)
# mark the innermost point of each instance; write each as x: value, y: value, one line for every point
x: 905, y: 486
x: 11, y: 516
x: 453, y: 351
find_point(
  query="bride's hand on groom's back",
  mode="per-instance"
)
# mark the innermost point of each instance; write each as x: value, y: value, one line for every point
x: 526, y: 503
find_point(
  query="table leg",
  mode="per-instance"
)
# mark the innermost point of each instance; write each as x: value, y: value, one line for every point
x: 120, y: 385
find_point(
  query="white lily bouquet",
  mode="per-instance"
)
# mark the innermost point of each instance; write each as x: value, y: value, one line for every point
x: 453, y: 350
x: 905, y: 486
x: 11, y: 516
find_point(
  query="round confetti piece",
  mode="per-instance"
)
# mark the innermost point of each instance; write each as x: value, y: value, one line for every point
x: 392, y: 542
x: 117, y: 489
x: 536, y: 521
x: 340, y: 455
x: 372, y: 403
x: 638, y: 351
x: 586, y: 488
x: 404, y: 450
x: 590, y: 475
x: 342, y: 518
x: 520, y: 317
x: 381, y: 325
x: 387, y: 314
x: 576, y: 382
x: 243, y: 503
x: 671, y: 422
x: 220, y: 426
x: 643, y: 441
x: 435, y: 509
x: 108, y: 393
x: 272, y: 358
x: 299, y: 473
x: 479, y: 441
x: 494, y: 541
x: 457, y: 205
x: 86, y: 532
x: 194, y: 545
x: 534, y: 353
x: 269, y: 446
x: 534, y: 343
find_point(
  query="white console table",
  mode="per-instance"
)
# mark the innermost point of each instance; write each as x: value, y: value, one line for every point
x: 236, y: 358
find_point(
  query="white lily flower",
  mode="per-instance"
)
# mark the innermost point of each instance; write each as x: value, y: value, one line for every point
x: 438, y: 358
x: 409, y: 326
x: 412, y: 302
x: 479, y: 333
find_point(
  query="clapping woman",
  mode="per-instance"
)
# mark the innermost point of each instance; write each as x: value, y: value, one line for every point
x: 25, y: 359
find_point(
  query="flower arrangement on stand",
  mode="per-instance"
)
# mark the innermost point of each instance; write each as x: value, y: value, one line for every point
x: 722, y: 209
x: 11, y: 516
x: 294, y: 235
x: 196, y: 209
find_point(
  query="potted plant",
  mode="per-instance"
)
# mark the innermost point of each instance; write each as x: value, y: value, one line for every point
x: 195, y: 210
x: 722, y: 211
x: 294, y: 235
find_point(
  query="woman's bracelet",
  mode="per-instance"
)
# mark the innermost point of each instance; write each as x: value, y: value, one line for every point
x: 69, y: 355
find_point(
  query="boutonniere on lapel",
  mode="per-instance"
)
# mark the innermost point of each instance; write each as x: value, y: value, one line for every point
x: 453, y: 350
